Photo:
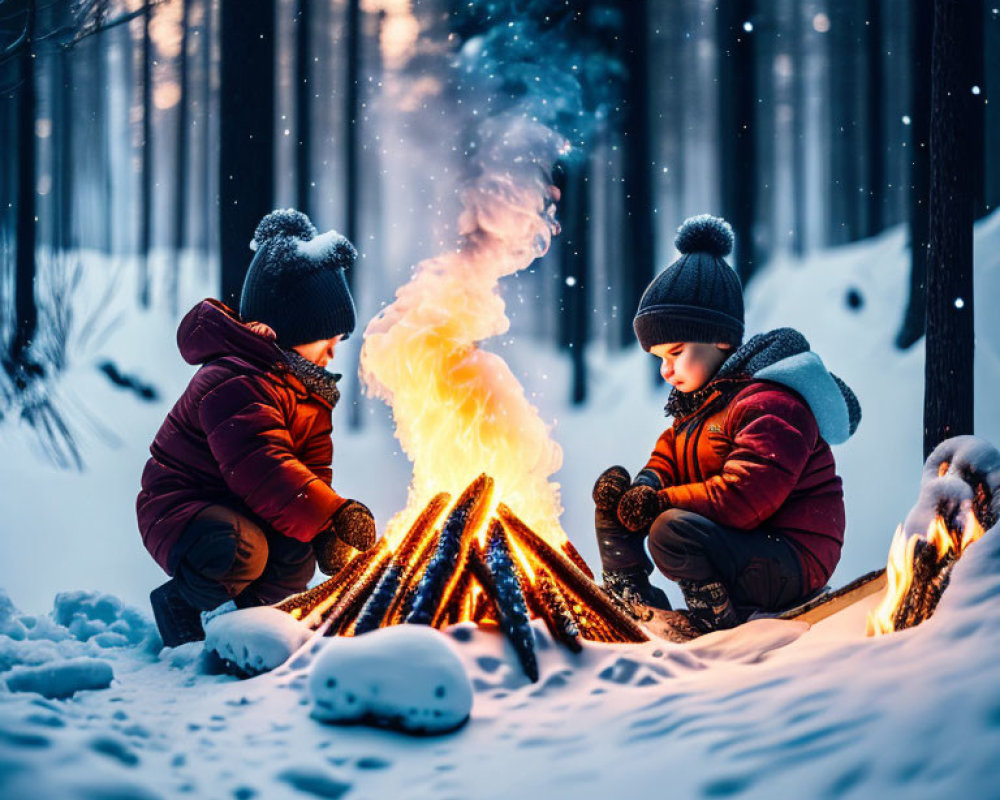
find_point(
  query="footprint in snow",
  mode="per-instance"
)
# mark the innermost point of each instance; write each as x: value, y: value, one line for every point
x: 312, y: 781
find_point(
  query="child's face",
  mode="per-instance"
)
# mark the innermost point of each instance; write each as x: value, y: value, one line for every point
x: 687, y: 366
x: 319, y: 352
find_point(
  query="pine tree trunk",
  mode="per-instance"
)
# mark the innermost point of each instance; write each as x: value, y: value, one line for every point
x: 352, y: 152
x: 246, y: 157
x: 799, y: 104
x: 639, y: 243
x: 574, y: 262
x: 25, y: 308
x: 913, y: 324
x: 103, y: 135
x: 738, y: 129
x: 303, y: 107
x: 181, y: 158
x: 146, y: 183
x: 948, y: 389
x: 991, y: 122
x: 875, y: 128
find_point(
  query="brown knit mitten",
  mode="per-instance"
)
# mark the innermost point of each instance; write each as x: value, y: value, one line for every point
x: 611, y: 485
x: 638, y: 507
x: 351, y: 530
x: 332, y: 555
x: 354, y: 524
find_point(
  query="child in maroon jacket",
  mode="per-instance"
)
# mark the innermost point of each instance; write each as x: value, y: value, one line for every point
x: 236, y: 499
x: 740, y: 501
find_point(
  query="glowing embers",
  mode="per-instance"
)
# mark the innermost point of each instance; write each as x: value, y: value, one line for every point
x: 481, y: 564
x: 920, y: 565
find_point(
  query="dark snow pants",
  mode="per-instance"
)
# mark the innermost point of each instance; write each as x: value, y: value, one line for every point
x: 226, y: 555
x: 760, y: 570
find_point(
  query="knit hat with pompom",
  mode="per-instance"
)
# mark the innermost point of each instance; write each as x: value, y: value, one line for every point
x: 698, y: 298
x: 296, y: 283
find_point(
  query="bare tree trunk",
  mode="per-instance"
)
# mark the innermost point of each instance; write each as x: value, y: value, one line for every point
x: 948, y: 388
x: 303, y: 107
x: 25, y: 308
x: 181, y: 157
x: 912, y: 327
x: 146, y: 183
x: 875, y: 128
x: 246, y: 157
x: 352, y: 152
x: 991, y: 122
x: 799, y: 100
x: 639, y: 242
x: 574, y: 263
x: 738, y: 128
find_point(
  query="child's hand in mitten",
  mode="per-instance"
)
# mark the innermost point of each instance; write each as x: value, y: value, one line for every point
x: 354, y: 525
x: 639, y: 506
x: 351, y: 530
x: 610, y: 486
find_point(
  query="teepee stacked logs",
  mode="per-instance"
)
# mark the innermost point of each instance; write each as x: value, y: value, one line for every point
x: 442, y: 574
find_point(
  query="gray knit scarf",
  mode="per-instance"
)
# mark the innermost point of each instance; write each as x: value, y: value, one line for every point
x: 756, y: 353
x: 316, y: 379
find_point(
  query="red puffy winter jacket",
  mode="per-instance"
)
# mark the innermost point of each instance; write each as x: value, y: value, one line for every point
x: 246, y: 432
x: 758, y: 460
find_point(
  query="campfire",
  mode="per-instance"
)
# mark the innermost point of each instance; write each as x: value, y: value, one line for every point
x: 481, y: 564
x: 958, y: 504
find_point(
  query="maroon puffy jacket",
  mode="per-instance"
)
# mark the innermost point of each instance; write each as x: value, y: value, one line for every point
x: 246, y: 432
x: 756, y: 458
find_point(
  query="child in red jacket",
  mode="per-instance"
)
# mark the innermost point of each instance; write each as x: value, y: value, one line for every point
x: 236, y: 501
x: 740, y: 502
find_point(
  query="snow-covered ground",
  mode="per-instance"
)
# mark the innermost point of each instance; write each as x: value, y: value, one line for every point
x: 769, y: 711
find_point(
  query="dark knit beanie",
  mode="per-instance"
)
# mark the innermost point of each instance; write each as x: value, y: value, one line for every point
x: 295, y: 282
x: 698, y: 298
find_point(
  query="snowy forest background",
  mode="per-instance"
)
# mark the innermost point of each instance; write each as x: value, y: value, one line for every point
x: 142, y: 141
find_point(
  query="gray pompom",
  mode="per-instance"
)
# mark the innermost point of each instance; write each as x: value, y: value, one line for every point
x: 283, y: 222
x: 705, y: 234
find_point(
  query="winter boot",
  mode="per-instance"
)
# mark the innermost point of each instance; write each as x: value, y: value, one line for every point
x: 709, y: 606
x: 177, y: 620
x: 631, y: 590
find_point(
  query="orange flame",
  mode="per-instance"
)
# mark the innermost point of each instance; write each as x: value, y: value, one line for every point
x: 899, y: 569
x: 459, y: 410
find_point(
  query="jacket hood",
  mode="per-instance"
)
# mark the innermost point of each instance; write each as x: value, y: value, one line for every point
x: 783, y: 356
x: 212, y: 330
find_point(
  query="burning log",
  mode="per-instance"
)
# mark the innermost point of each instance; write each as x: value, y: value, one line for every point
x: 550, y: 604
x: 503, y: 580
x: 959, y: 501
x: 570, y: 551
x: 340, y: 614
x: 575, y: 581
x: 930, y: 577
x: 403, y: 603
x: 381, y: 599
x: 446, y: 564
x: 323, y: 595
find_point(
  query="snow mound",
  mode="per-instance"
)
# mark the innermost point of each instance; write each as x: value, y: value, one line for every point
x: 255, y: 640
x: 102, y: 618
x: 406, y: 677
x: 80, y: 624
x: 62, y: 679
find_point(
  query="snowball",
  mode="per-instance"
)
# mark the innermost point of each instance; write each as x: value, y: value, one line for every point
x: 406, y: 677
x: 255, y: 640
x: 62, y: 679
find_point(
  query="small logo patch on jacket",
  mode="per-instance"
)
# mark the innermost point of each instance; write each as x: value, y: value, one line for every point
x: 715, y: 428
